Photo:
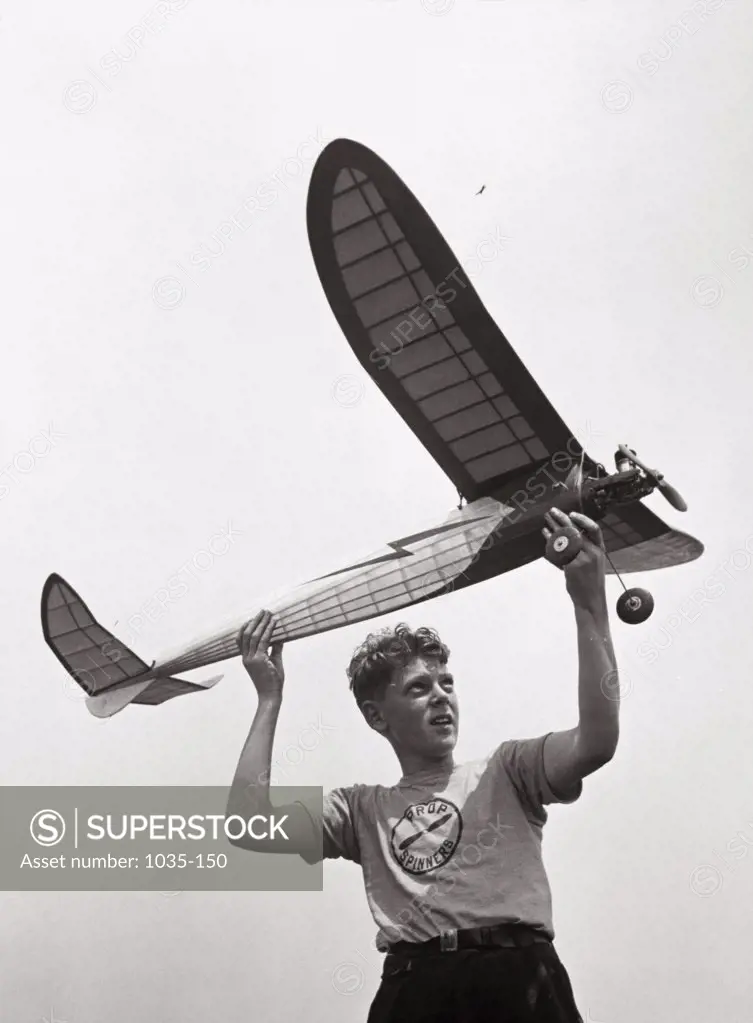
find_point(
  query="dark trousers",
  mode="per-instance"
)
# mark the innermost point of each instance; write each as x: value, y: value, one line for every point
x: 476, y: 985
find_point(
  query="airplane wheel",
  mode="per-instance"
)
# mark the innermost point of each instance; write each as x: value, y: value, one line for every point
x: 635, y: 606
x: 563, y: 545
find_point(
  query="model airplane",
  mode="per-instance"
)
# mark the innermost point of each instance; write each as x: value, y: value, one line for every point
x: 421, y: 332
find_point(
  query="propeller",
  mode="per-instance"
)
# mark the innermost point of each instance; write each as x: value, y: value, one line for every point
x: 667, y: 490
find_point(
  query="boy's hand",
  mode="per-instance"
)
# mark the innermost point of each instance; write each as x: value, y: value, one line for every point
x: 263, y: 664
x: 585, y: 574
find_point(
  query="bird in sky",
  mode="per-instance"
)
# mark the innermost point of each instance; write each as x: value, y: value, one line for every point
x: 481, y: 190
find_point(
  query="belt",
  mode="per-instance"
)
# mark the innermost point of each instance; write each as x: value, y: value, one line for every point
x: 496, y: 936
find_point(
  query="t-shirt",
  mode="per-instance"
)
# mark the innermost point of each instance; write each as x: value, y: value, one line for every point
x: 450, y: 849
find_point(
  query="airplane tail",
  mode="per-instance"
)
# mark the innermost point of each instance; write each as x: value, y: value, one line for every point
x: 111, y: 675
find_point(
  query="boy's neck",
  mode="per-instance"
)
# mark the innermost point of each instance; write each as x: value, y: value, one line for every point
x: 418, y: 763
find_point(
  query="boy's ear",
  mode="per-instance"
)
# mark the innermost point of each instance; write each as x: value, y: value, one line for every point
x: 373, y: 715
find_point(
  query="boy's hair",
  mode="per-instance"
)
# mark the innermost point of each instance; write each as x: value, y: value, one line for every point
x: 383, y: 652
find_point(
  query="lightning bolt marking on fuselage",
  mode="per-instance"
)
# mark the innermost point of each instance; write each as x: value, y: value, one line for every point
x: 399, y: 549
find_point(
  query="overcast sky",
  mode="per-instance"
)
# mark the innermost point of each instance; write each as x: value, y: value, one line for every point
x: 191, y: 388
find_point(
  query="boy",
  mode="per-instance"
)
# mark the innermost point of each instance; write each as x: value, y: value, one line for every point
x: 451, y: 855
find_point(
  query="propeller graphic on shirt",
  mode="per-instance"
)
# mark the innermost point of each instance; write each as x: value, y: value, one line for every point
x: 407, y: 842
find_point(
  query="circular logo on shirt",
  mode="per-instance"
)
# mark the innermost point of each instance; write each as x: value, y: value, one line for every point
x: 427, y: 835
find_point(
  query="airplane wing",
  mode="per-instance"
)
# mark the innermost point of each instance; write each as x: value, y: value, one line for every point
x: 635, y: 538
x: 416, y: 324
x: 418, y: 327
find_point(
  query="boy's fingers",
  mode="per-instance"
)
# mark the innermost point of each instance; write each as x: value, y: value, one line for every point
x: 266, y: 635
x: 585, y: 521
x: 551, y: 523
x: 262, y: 621
x: 244, y: 634
x: 589, y: 527
x: 247, y: 635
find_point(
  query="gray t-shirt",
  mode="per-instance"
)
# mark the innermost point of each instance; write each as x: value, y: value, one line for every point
x: 452, y: 849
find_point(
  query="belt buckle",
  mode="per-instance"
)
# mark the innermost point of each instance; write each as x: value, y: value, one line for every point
x: 448, y: 941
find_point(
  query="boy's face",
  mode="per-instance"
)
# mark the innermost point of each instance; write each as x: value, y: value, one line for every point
x: 417, y: 696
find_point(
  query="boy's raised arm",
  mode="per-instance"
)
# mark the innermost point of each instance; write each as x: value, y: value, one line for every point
x: 249, y: 793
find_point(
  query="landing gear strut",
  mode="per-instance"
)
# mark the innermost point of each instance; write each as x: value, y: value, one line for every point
x: 565, y: 544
